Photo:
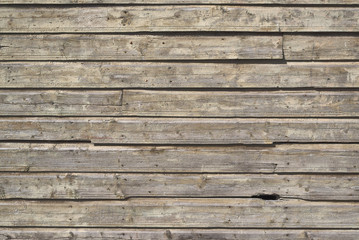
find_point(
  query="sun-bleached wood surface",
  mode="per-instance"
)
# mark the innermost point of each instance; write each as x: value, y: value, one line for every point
x: 179, y: 119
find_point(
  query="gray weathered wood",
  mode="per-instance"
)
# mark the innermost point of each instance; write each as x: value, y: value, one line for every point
x: 178, y: 19
x: 240, y: 104
x: 179, y: 103
x: 180, y: 130
x: 59, y: 103
x: 124, y: 186
x: 138, y: 47
x: 286, y: 158
x: 297, y: 47
x: 177, y: 75
x: 198, y: 213
x: 341, y: 2
x: 174, y: 234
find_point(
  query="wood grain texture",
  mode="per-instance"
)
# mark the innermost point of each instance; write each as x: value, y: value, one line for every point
x: 60, y: 103
x: 240, y: 104
x: 178, y: 19
x: 175, y: 234
x: 138, y: 47
x: 163, y: 213
x: 124, y: 186
x: 177, y: 75
x: 180, y: 130
x: 179, y: 103
x: 281, y: 2
x: 286, y: 158
x: 298, y: 47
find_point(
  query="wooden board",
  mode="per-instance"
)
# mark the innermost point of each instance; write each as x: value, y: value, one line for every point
x: 178, y: 19
x: 124, y: 186
x: 239, y: 104
x: 306, y: 47
x: 179, y: 103
x: 180, y: 130
x: 309, y: 2
x: 286, y: 158
x: 175, y: 234
x: 163, y: 213
x: 60, y: 103
x: 138, y: 47
x: 177, y: 75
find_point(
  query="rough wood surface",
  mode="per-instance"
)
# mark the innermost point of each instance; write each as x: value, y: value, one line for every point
x: 309, y: 2
x: 60, y: 103
x: 138, y: 47
x: 297, y: 47
x: 178, y: 19
x: 174, y: 234
x: 286, y: 158
x: 124, y: 186
x: 240, y: 104
x: 177, y: 75
x: 199, y: 213
x: 180, y: 130
x: 179, y: 103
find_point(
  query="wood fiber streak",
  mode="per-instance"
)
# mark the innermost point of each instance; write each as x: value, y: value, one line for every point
x: 240, y: 104
x: 197, y: 213
x: 177, y: 75
x: 333, y: 48
x: 180, y: 130
x: 59, y: 103
x: 287, y: 158
x: 174, y: 234
x: 178, y: 19
x: 123, y: 186
x: 138, y: 47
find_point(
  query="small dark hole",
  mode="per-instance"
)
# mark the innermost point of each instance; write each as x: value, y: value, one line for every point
x: 267, y: 196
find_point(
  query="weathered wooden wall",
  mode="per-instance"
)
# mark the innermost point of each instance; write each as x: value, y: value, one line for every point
x: 179, y: 119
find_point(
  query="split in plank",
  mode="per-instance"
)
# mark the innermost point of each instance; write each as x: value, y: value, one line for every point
x: 177, y: 75
x: 178, y: 19
x: 138, y: 47
x: 286, y: 158
x: 180, y: 130
x: 123, y: 186
x: 297, y: 47
x: 239, y: 104
x: 60, y: 103
x: 174, y: 234
x: 179, y: 213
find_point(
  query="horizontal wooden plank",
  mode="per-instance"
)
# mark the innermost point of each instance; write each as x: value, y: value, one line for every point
x: 177, y: 75
x: 240, y: 104
x: 286, y: 158
x: 60, y: 103
x: 180, y: 130
x: 298, y: 47
x: 163, y: 213
x: 309, y: 2
x: 124, y: 186
x: 178, y: 19
x: 179, y: 103
x: 175, y: 234
x: 138, y: 47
